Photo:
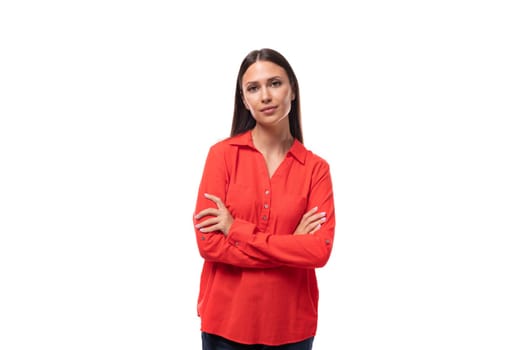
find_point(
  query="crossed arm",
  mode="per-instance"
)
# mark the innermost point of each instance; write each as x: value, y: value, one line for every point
x: 221, y: 219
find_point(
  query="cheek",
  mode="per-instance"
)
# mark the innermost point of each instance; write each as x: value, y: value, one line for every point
x: 288, y: 98
x: 288, y: 102
x: 248, y: 104
x: 249, y: 107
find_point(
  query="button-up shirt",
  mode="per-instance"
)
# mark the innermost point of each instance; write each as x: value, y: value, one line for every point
x: 258, y: 284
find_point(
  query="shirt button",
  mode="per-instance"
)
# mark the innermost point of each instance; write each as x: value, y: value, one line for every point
x: 327, y: 241
x: 236, y: 244
x: 267, y: 192
x: 265, y: 217
x: 203, y: 238
x: 266, y: 205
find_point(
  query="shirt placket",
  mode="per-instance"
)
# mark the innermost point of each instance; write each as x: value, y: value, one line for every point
x: 265, y: 212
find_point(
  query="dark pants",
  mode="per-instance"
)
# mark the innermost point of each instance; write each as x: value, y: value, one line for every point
x: 214, y: 342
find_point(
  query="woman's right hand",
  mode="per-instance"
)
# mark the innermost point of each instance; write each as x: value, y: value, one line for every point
x: 220, y: 217
x: 310, y: 222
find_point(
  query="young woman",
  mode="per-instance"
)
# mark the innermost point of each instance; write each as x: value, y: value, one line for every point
x: 264, y: 218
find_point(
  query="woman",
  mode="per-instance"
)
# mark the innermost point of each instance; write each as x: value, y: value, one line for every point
x: 264, y: 220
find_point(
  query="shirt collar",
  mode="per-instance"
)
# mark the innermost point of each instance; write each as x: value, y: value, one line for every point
x: 298, y: 151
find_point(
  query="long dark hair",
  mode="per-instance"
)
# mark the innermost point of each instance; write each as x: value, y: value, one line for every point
x: 242, y: 118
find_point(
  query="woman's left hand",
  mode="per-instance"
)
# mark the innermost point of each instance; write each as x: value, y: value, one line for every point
x: 221, y: 219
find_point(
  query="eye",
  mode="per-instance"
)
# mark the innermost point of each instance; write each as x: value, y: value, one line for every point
x: 252, y: 88
x: 276, y: 83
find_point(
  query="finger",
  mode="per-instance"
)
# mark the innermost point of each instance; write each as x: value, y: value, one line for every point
x: 316, y: 225
x: 315, y: 219
x: 309, y: 227
x: 209, y: 229
x: 316, y: 228
x: 310, y: 212
x: 312, y: 215
x: 317, y: 216
x: 215, y: 199
x: 207, y: 211
x: 207, y: 222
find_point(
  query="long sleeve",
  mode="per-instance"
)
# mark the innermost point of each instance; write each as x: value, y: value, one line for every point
x: 258, y: 284
x: 266, y: 209
x: 215, y: 247
x: 306, y: 251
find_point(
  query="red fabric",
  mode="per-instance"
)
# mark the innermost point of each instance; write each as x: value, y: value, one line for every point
x: 258, y: 284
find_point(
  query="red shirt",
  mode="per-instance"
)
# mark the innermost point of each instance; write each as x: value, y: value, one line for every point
x: 258, y: 284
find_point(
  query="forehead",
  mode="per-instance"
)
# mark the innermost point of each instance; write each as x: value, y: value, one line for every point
x: 261, y: 71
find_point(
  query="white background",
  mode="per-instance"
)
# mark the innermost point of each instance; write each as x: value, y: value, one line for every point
x: 107, y: 111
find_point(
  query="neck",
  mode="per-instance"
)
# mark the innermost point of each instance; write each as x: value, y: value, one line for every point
x: 272, y: 140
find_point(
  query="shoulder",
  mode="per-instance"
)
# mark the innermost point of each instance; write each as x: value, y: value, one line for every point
x: 226, y: 149
x: 228, y: 142
x: 318, y: 168
x: 318, y: 164
x: 309, y: 157
x: 316, y: 158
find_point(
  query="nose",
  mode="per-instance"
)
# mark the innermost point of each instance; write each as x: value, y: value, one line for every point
x: 266, y: 97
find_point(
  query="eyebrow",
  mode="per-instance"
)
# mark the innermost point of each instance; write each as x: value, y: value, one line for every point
x: 256, y: 82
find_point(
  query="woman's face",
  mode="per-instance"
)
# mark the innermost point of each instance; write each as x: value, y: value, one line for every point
x: 267, y: 92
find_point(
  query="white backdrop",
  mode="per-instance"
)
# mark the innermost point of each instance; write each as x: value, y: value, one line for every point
x: 107, y: 111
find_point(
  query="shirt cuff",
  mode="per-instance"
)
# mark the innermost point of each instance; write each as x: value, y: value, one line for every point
x: 240, y: 232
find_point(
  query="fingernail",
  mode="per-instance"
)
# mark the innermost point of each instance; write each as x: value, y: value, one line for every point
x: 323, y: 213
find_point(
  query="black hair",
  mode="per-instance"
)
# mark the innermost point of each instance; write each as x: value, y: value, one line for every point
x: 242, y: 118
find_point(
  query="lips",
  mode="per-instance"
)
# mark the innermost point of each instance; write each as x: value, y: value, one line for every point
x: 268, y: 110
